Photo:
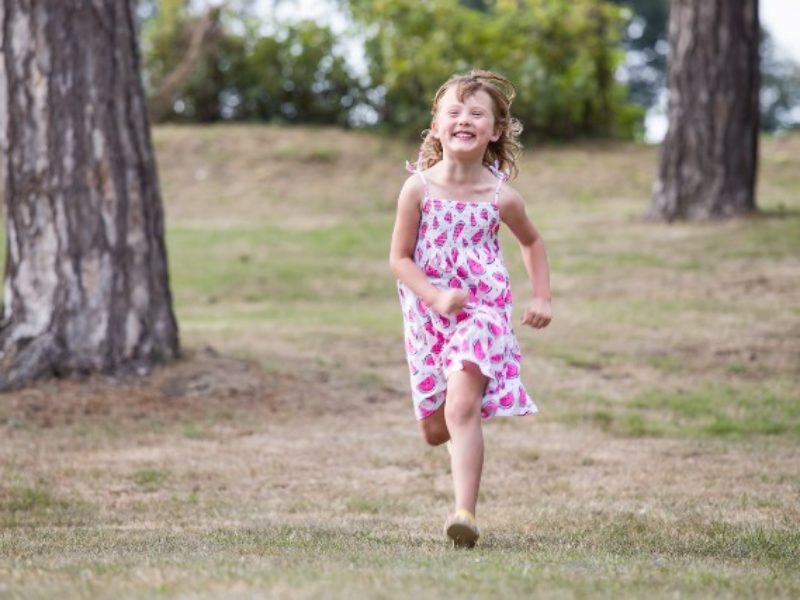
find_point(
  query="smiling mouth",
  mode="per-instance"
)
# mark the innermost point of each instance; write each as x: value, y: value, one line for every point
x: 463, y: 135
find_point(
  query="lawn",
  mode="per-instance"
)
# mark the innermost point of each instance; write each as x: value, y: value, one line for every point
x: 280, y: 459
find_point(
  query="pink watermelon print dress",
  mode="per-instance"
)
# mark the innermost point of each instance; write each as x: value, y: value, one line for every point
x: 458, y: 247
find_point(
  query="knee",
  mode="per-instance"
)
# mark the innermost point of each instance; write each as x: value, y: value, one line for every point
x: 462, y: 410
x: 434, y: 435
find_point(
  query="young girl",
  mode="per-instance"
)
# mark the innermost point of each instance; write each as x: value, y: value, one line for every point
x: 454, y: 288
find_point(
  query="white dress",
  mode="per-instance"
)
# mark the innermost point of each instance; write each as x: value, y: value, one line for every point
x: 458, y: 247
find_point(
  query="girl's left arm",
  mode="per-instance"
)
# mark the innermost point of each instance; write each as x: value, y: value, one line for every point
x: 512, y: 211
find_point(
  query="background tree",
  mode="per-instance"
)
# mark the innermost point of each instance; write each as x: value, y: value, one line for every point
x: 249, y: 69
x: 780, y: 88
x: 269, y: 69
x: 645, y: 44
x: 709, y: 157
x: 86, y: 281
x: 198, y: 39
x: 645, y: 66
x: 297, y: 75
x: 561, y: 55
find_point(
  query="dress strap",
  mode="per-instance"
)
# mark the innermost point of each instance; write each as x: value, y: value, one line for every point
x: 502, y: 177
x: 417, y: 168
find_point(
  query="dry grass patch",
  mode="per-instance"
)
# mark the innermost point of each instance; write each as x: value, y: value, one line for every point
x: 280, y: 459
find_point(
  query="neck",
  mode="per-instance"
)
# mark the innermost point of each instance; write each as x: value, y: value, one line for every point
x: 462, y: 170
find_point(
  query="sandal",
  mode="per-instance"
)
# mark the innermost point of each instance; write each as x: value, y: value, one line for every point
x: 462, y: 528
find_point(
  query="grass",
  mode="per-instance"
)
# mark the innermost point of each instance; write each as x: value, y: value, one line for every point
x: 280, y: 459
x: 710, y: 410
x: 606, y: 559
x: 266, y: 262
x: 33, y: 505
x: 150, y: 479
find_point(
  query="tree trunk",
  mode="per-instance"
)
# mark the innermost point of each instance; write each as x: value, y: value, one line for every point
x: 86, y: 282
x: 710, y: 154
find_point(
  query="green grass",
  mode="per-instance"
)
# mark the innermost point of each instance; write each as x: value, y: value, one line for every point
x: 710, y: 410
x: 24, y: 505
x: 253, y: 264
x: 607, y: 558
x: 150, y: 479
x: 665, y: 339
x: 723, y: 410
x: 195, y: 431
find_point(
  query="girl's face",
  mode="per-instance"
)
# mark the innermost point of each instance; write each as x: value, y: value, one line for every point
x: 465, y: 128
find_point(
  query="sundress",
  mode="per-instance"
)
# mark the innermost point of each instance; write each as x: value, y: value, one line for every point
x: 458, y: 247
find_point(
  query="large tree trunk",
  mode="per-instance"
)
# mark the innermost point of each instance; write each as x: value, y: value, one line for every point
x: 86, y: 282
x: 710, y: 154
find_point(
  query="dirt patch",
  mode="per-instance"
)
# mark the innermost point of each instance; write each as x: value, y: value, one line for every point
x: 187, y: 388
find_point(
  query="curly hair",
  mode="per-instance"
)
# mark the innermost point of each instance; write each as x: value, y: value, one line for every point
x: 505, y: 151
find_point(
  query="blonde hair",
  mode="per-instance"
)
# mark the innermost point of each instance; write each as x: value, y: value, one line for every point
x: 502, y: 153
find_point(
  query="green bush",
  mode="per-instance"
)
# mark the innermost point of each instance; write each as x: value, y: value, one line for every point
x: 297, y: 76
x: 561, y: 54
x: 294, y: 74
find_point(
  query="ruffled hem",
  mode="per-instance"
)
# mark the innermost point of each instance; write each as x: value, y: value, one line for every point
x: 509, y: 401
x: 430, y: 404
x: 476, y: 341
x: 490, y: 408
x: 492, y: 404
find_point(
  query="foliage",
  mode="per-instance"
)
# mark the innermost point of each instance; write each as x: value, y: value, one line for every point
x: 780, y: 88
x: 561, y: 55
x: 295, y: 73
x: 645, y: 43
x: 164, y: 28
x: 299, y: 76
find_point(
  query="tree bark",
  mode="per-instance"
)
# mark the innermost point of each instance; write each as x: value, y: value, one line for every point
x: 86, y: 281
x: 710, y: 154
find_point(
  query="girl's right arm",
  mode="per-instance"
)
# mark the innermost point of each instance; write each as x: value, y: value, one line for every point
x: 401, y: 253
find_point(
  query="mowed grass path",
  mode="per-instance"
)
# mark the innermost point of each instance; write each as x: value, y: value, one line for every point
x: 281, y: 460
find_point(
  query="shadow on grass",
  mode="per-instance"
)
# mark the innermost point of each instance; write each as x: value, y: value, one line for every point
x: 780, y: 212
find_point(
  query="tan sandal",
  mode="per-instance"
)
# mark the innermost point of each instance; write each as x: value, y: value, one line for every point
x: 462, y: 528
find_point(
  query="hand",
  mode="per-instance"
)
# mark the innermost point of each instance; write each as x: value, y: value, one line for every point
x: 450, y: 302
x: 538, y: 314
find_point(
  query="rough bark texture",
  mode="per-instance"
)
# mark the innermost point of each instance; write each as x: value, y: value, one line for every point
x: 710, y: 154
x: 86, y: 282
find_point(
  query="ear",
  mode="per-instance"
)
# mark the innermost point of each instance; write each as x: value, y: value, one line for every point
x: 498, y: 131
x: 434, y: 129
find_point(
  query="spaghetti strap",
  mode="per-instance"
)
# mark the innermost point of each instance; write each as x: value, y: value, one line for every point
x: 415, y: 168
x: 502, y: 177
x: 458, y: 247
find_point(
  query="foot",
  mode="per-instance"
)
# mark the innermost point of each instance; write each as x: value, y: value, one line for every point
x: 462, y: 528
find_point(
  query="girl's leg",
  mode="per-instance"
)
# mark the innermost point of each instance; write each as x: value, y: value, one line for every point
x: 434, y: 428
x: 462, y: 411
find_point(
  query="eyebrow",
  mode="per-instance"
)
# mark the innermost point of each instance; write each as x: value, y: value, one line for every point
x: 451, y: 106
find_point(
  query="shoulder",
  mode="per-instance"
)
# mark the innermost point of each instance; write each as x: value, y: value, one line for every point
x: 413, y: 184
x: 412, y: 192
x: 510, y: 200
x: 512, y: 208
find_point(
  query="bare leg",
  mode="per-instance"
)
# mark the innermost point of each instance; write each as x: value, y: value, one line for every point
x: 462, y: 411
x: 434, y: 428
